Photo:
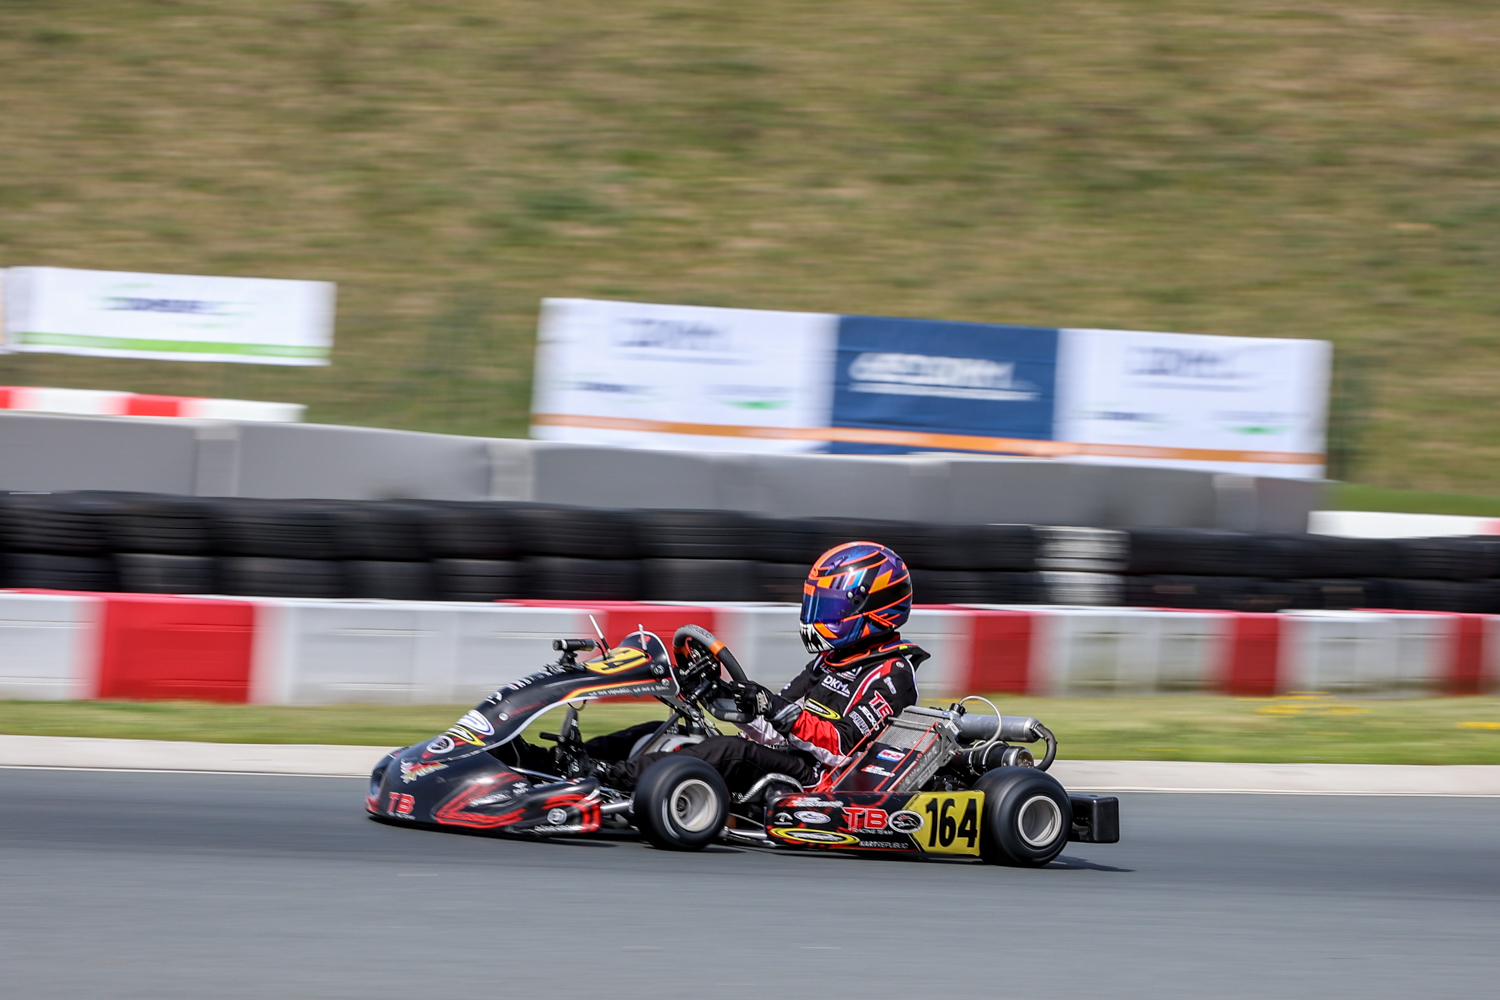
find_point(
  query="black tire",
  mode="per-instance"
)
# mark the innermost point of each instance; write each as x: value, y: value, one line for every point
x: 693, y: 534
x: 1027, y: 817
x: 1199, y: 593
x: 380, y: 531
x: 254, y: 576
x: 391, y: 581
x: 902, y: 536
x: 558, y: 578
x: 943, y: 547
x: 1002, y: 587
x: 43, y: 571
x: 1457, y: 559
x: 780, y: 583
x: 165, y: 525
x: 1334, y: 557
x: 456, y: 530
x: 479, y: 579
x: 1189, y: 552
x: 793, y: 540
x: 950, y: 586
x: 1463, y: 596
x: 63, y: 524
x: 156, y: 573
x: 1337, y: 595
x: 574, y: 532
x: 277, y: 529
x: 681, y: 804
x: 1275, y: 556
x: 699, y: 580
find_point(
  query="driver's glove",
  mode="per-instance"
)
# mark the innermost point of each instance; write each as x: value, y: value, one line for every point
x: 760, y: 702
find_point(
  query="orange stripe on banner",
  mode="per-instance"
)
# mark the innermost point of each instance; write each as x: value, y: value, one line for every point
x: 926, y: 439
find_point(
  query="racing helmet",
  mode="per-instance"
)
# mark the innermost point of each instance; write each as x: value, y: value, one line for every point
x: 855, y: 592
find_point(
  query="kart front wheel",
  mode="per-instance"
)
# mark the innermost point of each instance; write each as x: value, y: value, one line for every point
x: 1027, y: 817
x: 681, y: 804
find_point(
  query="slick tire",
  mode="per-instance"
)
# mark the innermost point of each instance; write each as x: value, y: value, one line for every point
x: 1027, y: 817
x: 681, y: 804
x: 158, y: 573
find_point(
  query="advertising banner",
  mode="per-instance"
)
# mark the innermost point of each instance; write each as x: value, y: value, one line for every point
x: 904, y: 385
x: 1251, y: 405
x: 168, y: 317
x: 683, y: 377
x: 697, y: 378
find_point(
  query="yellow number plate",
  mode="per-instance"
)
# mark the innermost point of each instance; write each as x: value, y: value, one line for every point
x: 950, y: 821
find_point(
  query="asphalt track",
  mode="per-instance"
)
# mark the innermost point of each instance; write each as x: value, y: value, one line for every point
x: 163, y: 886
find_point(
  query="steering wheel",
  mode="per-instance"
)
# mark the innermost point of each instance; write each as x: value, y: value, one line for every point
x: 694, y: 642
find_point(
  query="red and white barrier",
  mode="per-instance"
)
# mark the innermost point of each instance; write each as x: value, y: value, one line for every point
x: 48, y: 646
x: 288, y: 651
x: 107, y: 403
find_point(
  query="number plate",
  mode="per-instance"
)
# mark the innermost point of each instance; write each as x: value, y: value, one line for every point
x: 930, y: 822
x: 951, y: 821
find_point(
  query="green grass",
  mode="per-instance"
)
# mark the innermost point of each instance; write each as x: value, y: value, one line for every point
x: 1317, y: 168
x: 1350, y: 496
x: 1180, y: 727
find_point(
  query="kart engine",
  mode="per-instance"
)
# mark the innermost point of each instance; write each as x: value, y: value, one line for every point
x: 915, y: 745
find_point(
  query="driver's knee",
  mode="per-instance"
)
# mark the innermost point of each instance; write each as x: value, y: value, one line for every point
x: 717, y: 750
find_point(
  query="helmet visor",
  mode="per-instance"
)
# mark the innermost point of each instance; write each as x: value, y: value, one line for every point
x: 829, y: 606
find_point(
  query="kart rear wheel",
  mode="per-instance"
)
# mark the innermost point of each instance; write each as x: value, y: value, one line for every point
x: 681, y: 804
x: 1027, y: 817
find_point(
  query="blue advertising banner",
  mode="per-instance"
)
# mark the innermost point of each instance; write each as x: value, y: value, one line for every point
x: 923, y: 385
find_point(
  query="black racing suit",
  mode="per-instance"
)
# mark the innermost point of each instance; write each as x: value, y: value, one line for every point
x: 816, y: 721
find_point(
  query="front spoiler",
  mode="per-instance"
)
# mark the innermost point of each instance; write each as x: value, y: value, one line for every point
x: 480, y: 792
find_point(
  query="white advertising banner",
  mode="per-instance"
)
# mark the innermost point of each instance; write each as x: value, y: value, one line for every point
x: 1250, y: 405
x: 683, y: 377
x: 171, y: 317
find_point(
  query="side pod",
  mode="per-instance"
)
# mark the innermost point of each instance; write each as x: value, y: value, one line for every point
x: 1096, y: 819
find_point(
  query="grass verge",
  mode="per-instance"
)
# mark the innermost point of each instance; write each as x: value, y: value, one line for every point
x: 1297, y: 728
x: 1353, y: 496
x: 1317, y: 168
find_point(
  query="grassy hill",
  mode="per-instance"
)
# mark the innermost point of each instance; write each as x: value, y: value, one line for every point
x: 1257, y: 167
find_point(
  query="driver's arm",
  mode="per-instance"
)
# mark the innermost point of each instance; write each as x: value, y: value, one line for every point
x: 884, y: 691
x: 758, y: 728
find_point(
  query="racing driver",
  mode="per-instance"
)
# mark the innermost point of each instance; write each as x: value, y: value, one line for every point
x: 856, y: 597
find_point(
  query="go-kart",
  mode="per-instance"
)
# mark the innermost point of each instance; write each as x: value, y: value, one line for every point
x: 931, y: 781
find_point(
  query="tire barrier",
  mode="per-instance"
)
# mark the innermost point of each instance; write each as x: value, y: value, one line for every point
x: 313, y: 651
x: 451, y: 550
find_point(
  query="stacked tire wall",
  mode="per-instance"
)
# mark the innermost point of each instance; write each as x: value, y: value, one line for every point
x: 487, y: 551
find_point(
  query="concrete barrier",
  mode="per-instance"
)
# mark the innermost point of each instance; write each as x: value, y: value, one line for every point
x: 40, y: 452
x: 303, y: 652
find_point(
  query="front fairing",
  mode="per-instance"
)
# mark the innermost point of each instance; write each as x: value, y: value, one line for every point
x: 638, y: 666
x: 481, y: 793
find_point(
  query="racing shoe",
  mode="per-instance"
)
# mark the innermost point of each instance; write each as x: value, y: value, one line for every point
x: 609, y: 772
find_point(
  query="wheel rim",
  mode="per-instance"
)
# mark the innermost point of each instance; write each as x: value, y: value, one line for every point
x: 1039, y: 821
x: 693, y: 806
